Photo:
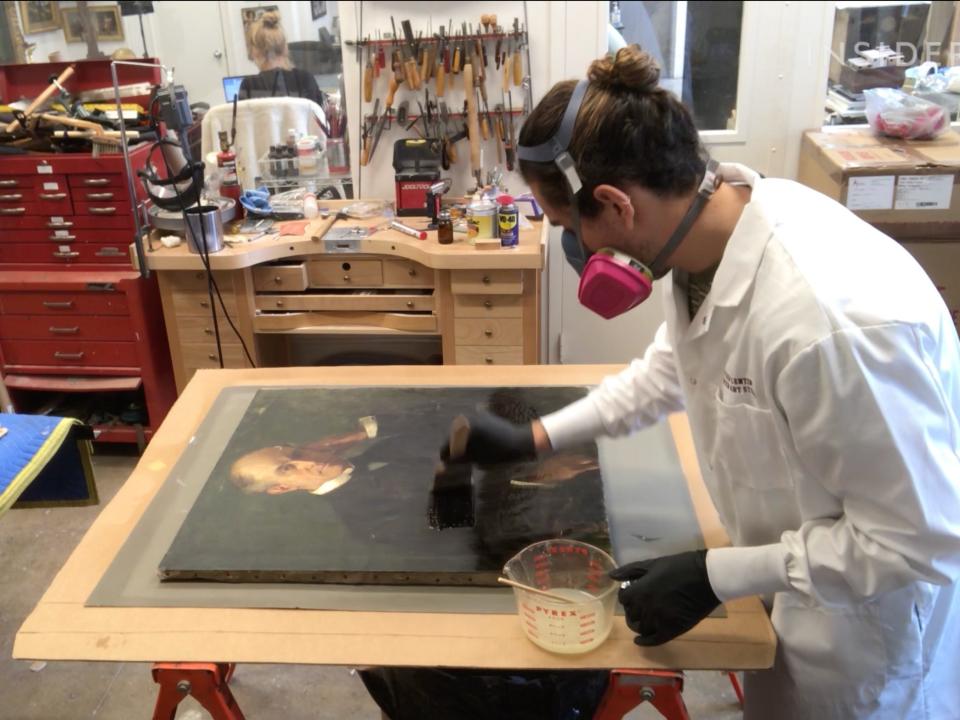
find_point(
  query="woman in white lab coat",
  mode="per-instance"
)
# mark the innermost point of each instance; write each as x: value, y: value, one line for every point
x: 820, y: 371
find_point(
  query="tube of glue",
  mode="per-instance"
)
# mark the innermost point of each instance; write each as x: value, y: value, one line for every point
x: 407, y: 230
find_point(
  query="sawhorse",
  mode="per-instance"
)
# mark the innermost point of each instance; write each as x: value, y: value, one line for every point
x: 207, y: 682
x: 661, y: 688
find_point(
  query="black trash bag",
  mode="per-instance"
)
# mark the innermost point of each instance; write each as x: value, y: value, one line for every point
x: 418, y: 693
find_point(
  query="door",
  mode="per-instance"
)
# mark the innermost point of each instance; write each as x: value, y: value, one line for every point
x: 190, y: 36
x: 753, y: 72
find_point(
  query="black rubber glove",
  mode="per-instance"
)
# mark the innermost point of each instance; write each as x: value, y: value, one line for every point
x: 666, y: 596
x: 494, y: 440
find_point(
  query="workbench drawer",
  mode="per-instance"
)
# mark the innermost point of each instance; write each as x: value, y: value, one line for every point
x: 116, y: 208
x: 44, y: 183
x: 54, y: 303
x: 482, y: 355
x: 280, y: 278
x: 486, y: 282
x: 345, y: 322
x: 194, y: 280
x: 65, y: 253
x: 406, y: 273
x: 97, y: 181
x: 484, y: 306
x: 69, y: 235
x: 28, y: 202
x: 345, y: 302
x: 204, y: 355
x: 200, y: 330
x: 197, y: 303
x: 70, y: 353
x: 39, y: 327
x: 345, y: 273
x: 490, y: 331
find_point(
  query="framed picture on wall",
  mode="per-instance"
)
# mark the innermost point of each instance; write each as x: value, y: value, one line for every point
x: 106, y: 20
x: 72, y: 25
x: 39, y: 15
x: 317, y: 9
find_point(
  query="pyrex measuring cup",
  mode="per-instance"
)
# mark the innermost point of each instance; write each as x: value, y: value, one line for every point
x: 571, y: 569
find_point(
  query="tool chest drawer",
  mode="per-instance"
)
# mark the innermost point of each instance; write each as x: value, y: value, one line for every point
x: 493, y: 282
x: 64, y: 253
x: 97, y: 181
x: 481, y: 355
x: 116, y: 208
x: 40, y: 327
x: 101, y: 195
x: 18, y: 204
x: 345, y: 273
x: 406, y: 273
x: 64, y: 303
x: 68, y: 235
x: 280, y: 278
x: 38, y: 183
x: 484, y: 306
x: 387, y: 301
x: 490, y: 331
x: 67, y: 352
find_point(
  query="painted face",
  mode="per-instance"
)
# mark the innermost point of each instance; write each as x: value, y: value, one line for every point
x: 275, y: 470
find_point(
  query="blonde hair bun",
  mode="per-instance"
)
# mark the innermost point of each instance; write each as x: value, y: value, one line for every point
x: 630, y: 69
x: 270, y: 19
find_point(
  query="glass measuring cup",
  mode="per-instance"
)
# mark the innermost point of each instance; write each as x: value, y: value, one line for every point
x: 573, y: 570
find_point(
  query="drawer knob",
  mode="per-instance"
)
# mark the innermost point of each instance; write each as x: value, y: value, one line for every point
x: 207, y: 331
x: 488, y: 333
x: 485, y: 279
x: 488, y: 360
x: 410, y: 304
x: 277, y: 279
x: 212, y: 356
x: 205, y: 304
x: 412, y: 272
x: 279, y: 303
x: 487, y: 304
x: 346, y: 278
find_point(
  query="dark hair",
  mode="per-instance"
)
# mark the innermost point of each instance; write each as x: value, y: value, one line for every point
x: 628, y: 131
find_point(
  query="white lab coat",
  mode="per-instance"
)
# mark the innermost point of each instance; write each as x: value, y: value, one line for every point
x: 821, y: 377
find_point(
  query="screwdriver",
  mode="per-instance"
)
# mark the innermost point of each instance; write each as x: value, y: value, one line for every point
x: 368, y: 77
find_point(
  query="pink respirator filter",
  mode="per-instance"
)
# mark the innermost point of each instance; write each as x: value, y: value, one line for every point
x: 612, y: 285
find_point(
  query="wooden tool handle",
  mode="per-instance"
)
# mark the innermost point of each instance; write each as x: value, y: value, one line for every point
x: 455, y: 67
x: 441, y: 80
x: 391, y: 89
x: 451, y: 151
x: 425, y: 67
x: 365, y: 153
x: 498, y: 131
x: 459, y: 434
x: 517, y: 68
x: 506, y: 75
x: 473, y: 123
x: 43, y: 97
x: 413, y: 75
x: 368, y: 83
x: 484, y: 127
x: 72, y: 122
x: 318, y: 230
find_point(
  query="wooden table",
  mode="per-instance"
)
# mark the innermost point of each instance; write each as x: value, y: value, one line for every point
x: 480, y: 306
x: 61, y: 628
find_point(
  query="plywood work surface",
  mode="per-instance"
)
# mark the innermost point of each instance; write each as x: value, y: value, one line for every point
x: 61, y: 627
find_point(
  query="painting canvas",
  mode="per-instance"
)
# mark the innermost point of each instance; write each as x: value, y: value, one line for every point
x: 336, y: 485
x: 39, y: 15
x: 106, y: 21
x: 72, y: 25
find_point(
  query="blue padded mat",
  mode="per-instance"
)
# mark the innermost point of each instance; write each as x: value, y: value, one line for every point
x: 30, y: 442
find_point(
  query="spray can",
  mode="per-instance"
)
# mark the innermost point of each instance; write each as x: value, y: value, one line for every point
x: 508, y: 221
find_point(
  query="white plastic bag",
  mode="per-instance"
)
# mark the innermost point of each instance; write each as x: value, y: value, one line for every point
x: 896, y: 114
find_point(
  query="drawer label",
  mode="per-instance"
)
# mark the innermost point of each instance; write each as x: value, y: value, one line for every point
x: 44, y: 169
x: 61, y: 233
x: 64, y: 248
x: 51, y: 186
x: 56, y: 220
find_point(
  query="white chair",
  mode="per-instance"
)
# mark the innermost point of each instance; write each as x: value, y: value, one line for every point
x: 261, y: 122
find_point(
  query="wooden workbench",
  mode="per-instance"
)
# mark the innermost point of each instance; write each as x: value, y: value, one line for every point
x: 482, y: 305
x: 62, y: 628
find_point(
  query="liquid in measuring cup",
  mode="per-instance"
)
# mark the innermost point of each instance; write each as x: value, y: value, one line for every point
x: 559, y: 627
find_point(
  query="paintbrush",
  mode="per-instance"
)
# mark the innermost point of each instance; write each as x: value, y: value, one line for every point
x: 451, y: 499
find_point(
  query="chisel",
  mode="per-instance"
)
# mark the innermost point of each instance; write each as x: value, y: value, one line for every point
x: 473, y: 124
x: 411, y: 61
x: 368, y: 77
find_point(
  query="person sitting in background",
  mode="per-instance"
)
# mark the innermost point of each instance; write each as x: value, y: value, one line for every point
x: 277, y: 77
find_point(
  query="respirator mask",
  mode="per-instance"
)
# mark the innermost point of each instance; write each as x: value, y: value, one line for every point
x: 611, y: 282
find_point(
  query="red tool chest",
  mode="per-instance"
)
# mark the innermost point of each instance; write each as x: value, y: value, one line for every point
x: 76, y: 315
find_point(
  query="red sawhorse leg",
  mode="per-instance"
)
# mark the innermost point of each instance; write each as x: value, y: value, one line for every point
x: 629, y: 688
x: 207, y: 682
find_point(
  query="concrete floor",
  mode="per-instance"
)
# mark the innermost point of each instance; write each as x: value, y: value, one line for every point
x: 34, y: 544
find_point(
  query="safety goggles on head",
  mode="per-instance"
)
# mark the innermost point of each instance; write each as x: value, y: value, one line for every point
x: 611, y: 282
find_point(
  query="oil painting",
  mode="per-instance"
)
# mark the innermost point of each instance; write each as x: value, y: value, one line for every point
x: 337, y: 485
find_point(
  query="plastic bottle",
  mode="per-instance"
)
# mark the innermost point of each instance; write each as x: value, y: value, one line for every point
x: 310, y: 209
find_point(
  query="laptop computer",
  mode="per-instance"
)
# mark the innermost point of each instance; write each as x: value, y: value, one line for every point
x: 231, y: 86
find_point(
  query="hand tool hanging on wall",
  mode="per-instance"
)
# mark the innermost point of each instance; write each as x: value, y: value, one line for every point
x: 517, y: 61
x: 443, y: 62
x: 402, y: 112
x: 508, y: 145
x: 411, y: 54
x: 507, y: 61
x: 378, y: 132
x: 381, y: 61
x: 498, y: 131
x: 368, y: 76
x: 496, y: 53
x: 365, y: 154
x: 408, y: 63
x: 473, y: 124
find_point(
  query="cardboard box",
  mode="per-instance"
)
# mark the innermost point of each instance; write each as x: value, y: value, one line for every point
x: 941, y: 260
x: 907, y: 189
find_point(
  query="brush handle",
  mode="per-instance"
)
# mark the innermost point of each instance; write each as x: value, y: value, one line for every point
x: 535, y: 591
x: 459, y: 434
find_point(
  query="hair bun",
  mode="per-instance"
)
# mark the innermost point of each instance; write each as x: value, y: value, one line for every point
x: 631, y: 69
x: 270, y: 19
